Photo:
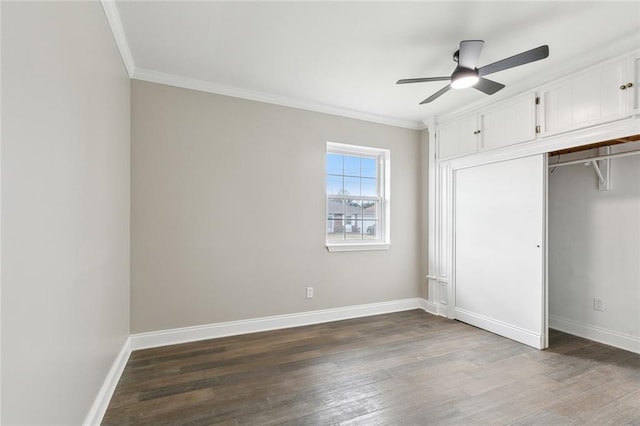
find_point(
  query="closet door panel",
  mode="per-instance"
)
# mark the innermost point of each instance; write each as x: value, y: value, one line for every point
x: 499, y: 248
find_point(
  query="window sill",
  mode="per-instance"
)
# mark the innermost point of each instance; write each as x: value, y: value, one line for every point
x: 358, y: 247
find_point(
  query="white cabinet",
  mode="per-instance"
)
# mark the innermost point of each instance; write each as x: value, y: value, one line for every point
x: 459, y: 137
x: 509, y: 123
x: 585, y: 99
x: 597, y: 95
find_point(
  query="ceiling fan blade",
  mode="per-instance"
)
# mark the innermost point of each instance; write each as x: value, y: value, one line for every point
x: 437, y: 94
x: 420, y: 80
x: 516, y: 60
x: 488, y: 86
x: 469, y: 53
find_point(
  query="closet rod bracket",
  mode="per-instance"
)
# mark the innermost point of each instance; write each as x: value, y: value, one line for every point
x: 602, y: 169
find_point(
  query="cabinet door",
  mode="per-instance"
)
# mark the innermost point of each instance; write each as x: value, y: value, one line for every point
x: 589, y: 98
x: 458, y: 137
x: 509, y: 123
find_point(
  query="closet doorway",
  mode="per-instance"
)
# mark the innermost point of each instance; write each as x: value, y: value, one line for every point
x: 594, y: 242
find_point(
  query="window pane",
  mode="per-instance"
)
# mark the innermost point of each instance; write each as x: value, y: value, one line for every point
x: 336, y: 219
x: 335, y: 230
x: 352, y: 186
x: 354, y: 231
x: 351, y: 165
x: 368, y: 187
x: 334, y: 164
x: 354, y: 208
x: 368, y: 167
x: 335, y: 208
x: 334, y: 184
x: 370, y: 229
x: 353, y: 220
x: 370, y: 210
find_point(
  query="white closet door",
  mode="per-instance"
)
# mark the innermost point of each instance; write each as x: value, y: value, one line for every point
x: 500, y: 217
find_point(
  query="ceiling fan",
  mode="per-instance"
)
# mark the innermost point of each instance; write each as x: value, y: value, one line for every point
x: 467, y: 75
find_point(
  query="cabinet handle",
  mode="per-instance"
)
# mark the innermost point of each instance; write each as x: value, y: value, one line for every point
x: 624, y: 86
x: 477, y: 132
x: 629, y: 85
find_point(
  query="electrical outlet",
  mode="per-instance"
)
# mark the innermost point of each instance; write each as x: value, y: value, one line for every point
x: 598, y: 304
x: 309, y: 292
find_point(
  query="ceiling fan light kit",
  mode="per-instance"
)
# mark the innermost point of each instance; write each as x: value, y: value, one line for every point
x: 463, y: 78
x: 466, y: 74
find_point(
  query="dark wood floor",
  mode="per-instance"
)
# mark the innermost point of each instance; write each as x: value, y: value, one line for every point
x: 407, y: 368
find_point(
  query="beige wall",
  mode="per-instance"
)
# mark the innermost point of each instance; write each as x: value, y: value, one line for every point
x: 228, y: 211
x: 65, y: 209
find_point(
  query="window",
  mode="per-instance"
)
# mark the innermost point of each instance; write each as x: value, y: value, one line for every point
x: 357, y: 190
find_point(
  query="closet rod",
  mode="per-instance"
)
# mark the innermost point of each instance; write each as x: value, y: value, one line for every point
x: 602, y: 157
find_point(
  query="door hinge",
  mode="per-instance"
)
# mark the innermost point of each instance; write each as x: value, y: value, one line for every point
x: 538, y: 128
x: 537, y: 100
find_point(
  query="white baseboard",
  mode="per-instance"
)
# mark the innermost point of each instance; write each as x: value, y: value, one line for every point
x: 100, y: 404
x: 443, y: 310
x: 608, y: 337
x: 232, y: 328
x: 498, y: 327
x: 429, y: 306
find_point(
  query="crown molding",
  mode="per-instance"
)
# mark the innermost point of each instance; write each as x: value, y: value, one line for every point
x: 113, y: 17
x: 236, y: 92
x: 115, y: 22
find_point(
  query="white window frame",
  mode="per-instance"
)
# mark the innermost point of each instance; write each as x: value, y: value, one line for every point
x: 384, y: 195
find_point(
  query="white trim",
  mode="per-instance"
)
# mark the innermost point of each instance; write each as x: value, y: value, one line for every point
x: 358, y: 150
x: 501, y: 328
x: 0, y: 215
x: 113, y: 17
x: 597, y: 334
x: 358, y: 247
x: 433, y: 223
x: 237, y: 92
x: 100, y: 404
x: 174, y: 336
x: 444, y: 311
x: 430, y: 307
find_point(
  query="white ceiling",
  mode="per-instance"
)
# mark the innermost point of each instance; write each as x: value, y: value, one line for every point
x: 345, y: 57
